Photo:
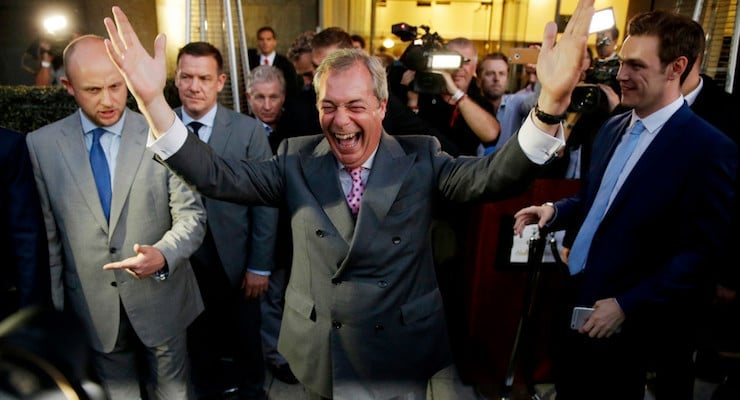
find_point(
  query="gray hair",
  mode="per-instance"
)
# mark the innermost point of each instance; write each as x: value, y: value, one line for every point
x: 343, y: 59
x: 265, y: 74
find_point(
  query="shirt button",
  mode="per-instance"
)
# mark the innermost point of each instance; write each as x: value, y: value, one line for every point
x: 336, y: 324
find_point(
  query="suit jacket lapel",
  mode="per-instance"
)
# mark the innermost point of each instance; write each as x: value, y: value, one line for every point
x: 220, y: 132
x: 653, y: 154
x: 130, y: 152
x: 317, y: 166
x: 72, y: 149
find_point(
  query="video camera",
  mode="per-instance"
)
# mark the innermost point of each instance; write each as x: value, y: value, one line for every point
x: 425, y: 55
x: 589, y: 97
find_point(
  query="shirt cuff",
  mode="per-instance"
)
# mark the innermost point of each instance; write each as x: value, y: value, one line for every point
x: 170, y: 142
x: 258, y: 272
x: 538, y: 145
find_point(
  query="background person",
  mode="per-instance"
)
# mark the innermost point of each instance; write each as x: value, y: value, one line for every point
x: 98, y: 183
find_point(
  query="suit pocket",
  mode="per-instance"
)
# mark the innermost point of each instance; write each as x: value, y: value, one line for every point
x: 422, y: 307
x: 300, y: 303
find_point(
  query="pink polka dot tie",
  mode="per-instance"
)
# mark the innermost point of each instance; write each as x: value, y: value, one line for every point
x: 355, y: 193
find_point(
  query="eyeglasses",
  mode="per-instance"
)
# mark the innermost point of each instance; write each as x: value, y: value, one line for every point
x: 466, y: 60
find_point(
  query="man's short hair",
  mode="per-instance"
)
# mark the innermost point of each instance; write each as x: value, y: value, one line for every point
x: 358, y: 39
x: 301, y: 45
x: 677, y: 35
x: 463, y: 42
x: 493, y: 56
x: 331, y: 37
x: 344, y: 59
x: 265, y: 74
x: 266, y: 29
x: 202, y: 49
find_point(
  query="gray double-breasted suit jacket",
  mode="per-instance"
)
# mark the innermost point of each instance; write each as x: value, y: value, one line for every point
x: 149, y: 206
x: 363, y: 313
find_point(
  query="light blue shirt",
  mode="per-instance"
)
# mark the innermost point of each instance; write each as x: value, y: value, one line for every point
x: 204, y: 133
x: 510, y: 116
x: 653, y: 124
x: 110, y: 141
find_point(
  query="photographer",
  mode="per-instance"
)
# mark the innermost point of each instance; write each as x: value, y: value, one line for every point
x: 459, y: 112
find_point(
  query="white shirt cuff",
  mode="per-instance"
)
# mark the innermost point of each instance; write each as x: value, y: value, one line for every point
x: 259, y: 272
x: 170, y: 142
x: 538, y: 145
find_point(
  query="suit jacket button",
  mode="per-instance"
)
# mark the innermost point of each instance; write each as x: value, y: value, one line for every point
x: 396, y: 240
x: 379, y: 327
x: 336, y: 281
x: 336, y: 324
x: 114, y: 284
x: 112, y: 250
x: 320, y: 233
x: 382, y: 284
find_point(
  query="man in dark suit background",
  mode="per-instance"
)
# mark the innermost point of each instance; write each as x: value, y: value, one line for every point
x: 649, y: 225
x: 719, y: 330
x: 265, y: 54
x: 266, y: 95
x: 363, y: 316
x: 234, y: 263
x: 24, y: 276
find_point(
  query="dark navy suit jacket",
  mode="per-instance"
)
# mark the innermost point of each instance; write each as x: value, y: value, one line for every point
x: 671, y: 214
x: 25, y: 261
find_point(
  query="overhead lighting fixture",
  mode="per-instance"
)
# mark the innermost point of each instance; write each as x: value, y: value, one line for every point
x: 388, y: 43
x: 602, y: 20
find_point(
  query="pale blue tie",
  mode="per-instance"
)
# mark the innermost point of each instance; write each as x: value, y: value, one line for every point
x: 100, y: 171
x: 582, y: 244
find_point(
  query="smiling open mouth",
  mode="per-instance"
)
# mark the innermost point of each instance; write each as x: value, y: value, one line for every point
x: 347, y: 140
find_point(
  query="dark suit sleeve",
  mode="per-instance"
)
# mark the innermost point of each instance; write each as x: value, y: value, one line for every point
x: 25, y: 236
x: 264, y: 220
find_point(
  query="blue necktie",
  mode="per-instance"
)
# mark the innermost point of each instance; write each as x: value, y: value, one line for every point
x: 100, y: 171
x: 579, y: 252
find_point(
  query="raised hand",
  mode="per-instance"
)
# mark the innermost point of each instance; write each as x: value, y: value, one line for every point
x: 145, y: 75
x: 559, y: 66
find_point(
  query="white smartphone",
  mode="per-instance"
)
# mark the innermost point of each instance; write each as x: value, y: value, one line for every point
x: 579, y: 317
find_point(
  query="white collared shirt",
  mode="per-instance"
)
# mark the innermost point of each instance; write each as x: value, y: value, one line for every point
x: 204, y: 133
x: 110, y: 141
x: 270, y: 58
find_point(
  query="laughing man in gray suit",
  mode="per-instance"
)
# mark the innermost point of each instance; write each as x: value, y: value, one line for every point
x: 106, y: 200
x: 363, y: 313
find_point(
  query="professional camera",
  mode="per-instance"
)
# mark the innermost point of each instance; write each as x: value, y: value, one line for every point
x: 425, y: 55
x: 589, y: 97
x: 603, y: 71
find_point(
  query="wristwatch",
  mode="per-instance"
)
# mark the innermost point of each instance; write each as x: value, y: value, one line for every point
x: 163, y: 273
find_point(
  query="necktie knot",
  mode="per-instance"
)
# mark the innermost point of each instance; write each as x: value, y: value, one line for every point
x: 195, y: 126
x: 355, y: 193
x: 97, y: 133
x: 638, y: 128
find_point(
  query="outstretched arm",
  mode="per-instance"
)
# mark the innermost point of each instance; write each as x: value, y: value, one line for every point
x: 145, y: 75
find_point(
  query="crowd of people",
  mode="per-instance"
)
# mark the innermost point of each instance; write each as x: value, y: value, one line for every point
x: 322, y: 236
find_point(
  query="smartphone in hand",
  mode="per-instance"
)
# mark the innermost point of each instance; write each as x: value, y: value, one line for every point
x: 579, y: 317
